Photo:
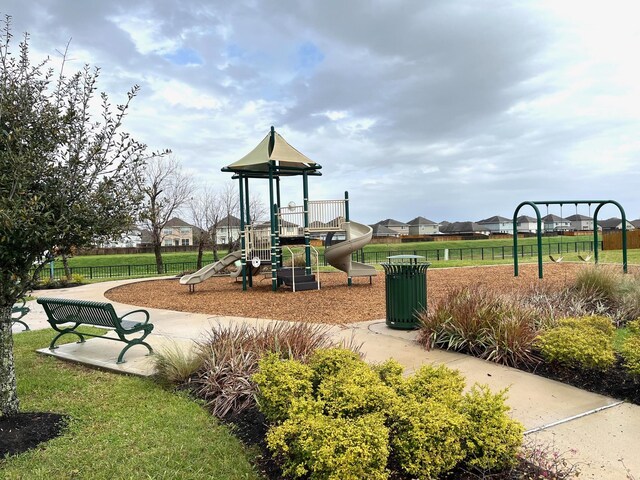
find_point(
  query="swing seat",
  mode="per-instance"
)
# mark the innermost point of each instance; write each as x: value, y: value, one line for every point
x: 556, y: 260
x: 585, y: 259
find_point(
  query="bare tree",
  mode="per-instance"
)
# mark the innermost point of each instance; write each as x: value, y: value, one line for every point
x: 230, y: 200
x: 165, y: 189
x: 205, y: 212
x: 258, y: 209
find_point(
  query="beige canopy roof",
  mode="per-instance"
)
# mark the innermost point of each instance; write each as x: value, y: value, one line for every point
x: 283, y: 154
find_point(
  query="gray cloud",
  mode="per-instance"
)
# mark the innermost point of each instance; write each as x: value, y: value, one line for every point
x: 450, y: 110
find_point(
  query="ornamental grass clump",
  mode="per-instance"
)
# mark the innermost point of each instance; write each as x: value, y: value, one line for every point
x: 339, y: 418
x: 230, y: 357
x: 482, y: 323
x: 585, y: 342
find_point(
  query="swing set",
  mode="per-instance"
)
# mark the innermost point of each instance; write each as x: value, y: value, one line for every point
x: 534, y: 205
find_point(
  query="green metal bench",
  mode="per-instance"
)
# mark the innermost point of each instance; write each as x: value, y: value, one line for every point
x: 21, y: 309
x: 62, y: 311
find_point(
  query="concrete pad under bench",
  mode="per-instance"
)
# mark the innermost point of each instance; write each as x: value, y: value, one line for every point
x: 103, y: 354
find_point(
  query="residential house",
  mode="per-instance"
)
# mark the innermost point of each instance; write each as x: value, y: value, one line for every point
x: 497, y: 224
x: 177, y: 232
x: 287, y: 229
x: 382, y: 231
x: 527, y: 224
x: 443, y: 224
x: 636, y: 223
x: 464, y: 228
x: 132, y: 238
x: 422, y: 226
x: 400, y: 228
x: 580, y: 222
x: 227, y: 230
x: 554, y: 223
x: 614, y: 223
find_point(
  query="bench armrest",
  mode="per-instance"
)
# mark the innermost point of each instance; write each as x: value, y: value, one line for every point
x: 137, y: 311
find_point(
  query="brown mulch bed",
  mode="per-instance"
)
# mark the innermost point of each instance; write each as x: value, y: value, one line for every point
x: 335, y: 303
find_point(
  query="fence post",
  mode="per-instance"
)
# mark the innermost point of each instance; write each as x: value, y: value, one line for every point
x: 91, y: 272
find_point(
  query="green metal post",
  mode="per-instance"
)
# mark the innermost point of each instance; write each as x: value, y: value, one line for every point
x: 307, y: 236
x: 274, y: 270
x: 248, y: 214
x: 515, y: 237
x: 279, y: 206
x: 624, y: 232
x: 243, y: 256
x: 346, y: 219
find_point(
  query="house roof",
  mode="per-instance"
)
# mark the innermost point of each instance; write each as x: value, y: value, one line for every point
x: 578, y: 218
x: 390, y: 222
x: 526, y: 218
x: 494, y: 219
x: 177, y: 222
x: 462, y: 227
x: 553, y: 218
x: 421, y: 221
x: 610, y: 222
x: 229, y: 220
x: 380, y: 230
x: 636, y: 223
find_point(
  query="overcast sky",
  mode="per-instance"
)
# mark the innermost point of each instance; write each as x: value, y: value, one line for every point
x: 452, y: 110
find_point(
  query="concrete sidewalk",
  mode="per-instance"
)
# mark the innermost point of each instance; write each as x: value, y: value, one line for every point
x: 602, y: 430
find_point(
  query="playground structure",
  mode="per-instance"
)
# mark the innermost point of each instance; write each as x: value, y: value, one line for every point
x: 534, y: 205
x: 263, y: 244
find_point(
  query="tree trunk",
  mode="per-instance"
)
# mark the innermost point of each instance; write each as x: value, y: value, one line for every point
x: 65, y: 264
x: 9, y: 404
x: 158, y: 253
x: 200, y: 252
x: 214, y: 238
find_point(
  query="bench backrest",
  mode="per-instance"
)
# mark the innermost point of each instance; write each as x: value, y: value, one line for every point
x: 62, y: 310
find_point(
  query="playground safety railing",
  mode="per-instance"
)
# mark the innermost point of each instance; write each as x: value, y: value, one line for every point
x: 324, y: 216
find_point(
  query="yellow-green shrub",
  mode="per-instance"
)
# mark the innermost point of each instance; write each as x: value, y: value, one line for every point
x: 426, y: 437
x: 438, y: 383
x: 279, y: 381
x: 604, y: 324
x: 326, y: 362
x: 492, y: 439
x: 634, y: 327
x: 630, y: 352
x: 579, y: 345
x: 390, y: 372
x: 326, y: 448
x: 354, y: 390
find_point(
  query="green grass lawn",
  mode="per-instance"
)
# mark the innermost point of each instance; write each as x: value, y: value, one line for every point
x: 121, y: 426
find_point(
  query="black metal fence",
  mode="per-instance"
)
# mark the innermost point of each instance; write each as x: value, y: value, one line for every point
x: 377, y: 257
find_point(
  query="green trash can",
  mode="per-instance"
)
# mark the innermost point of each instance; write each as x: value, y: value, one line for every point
x: 406, y: 290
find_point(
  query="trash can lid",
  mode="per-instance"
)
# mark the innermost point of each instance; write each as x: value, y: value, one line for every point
x: 410, y: 258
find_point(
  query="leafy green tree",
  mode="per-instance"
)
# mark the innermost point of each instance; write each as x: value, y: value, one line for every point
x: 65, y: 178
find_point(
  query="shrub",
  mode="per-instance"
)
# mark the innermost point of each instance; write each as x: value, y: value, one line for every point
x: 435, y: 383
x: 634, y: 327
x: 338, y: 417
x: 278, y: 382
x: 322, y: 447
x: 390, y: 372
x: 353, y: 391
x: 578, y: 344
x: 630, y: 353
x: 175, y: 364
x: 480, y: 322
x: 598, y: 322
x: 492, y: 439
x: 326, y: 362
x: 599, y: 284
x: 426, y: 437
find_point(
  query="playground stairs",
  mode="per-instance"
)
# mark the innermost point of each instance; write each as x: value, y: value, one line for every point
x: 286, y: 277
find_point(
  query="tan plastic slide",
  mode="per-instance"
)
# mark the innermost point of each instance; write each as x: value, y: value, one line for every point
x: 339, y: 255
x: 213, y: 268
